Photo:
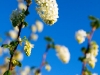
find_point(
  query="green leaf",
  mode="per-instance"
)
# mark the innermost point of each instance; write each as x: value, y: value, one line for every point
x: 25, y: 23
x: 81, y: 59
x: 7, y: 73
x: 16, y: 63
x: 48, y: 39
x: 26, y: 13
x: 24, y: 39
x: 5, y: 46
x: 92, y: 18
x: 52, y: 45
x: 83, y: 49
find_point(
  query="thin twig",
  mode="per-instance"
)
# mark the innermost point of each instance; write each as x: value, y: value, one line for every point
x: 11, y: 57
x: 88, y: 47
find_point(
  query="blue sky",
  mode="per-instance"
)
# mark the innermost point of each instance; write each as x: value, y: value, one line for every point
x: 73, y: 15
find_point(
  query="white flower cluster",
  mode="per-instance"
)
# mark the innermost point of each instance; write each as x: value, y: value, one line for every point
x: 63, y: 53
x: 26, y: 71
x: 47, y: 67
x: 18, y: 55
x: 13, y: 34
x: 91, y: 56
x: 47, y: 10
x: 22, y: 6
x: 28, y: 47
x: 80, y: 36
x: 37, y: 27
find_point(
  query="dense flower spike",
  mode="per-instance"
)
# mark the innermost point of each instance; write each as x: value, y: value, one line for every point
x: 63, y: 53
x: 93, y: 52
x: 80, y: 36
x: 17, y: 17
x: 47, y: 10
x: 27, y: 48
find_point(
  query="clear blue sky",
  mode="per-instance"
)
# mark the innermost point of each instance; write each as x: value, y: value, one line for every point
x: 73, y: 15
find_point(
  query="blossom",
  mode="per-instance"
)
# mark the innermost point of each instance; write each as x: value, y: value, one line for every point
x: 18, y: 55
x: 34, y: 37
x: 17, y: 17
x: 27, y: 48
x: 34, y: 28
x: 47, y: 10
x: 80, y: 36
x: 13, y: 34
x: 22, y: 6
x: 63, y: 53
x: 91, y: 59
x: 39, y: 26
x: 94, y: 74
x: 94, y: 48
x: 48, y: 67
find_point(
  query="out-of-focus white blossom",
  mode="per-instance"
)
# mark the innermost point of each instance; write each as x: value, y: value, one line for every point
x: 34, y: 37
x: 23, y: 73
x: 80, y: 36
x: 22, y: 6
x: 1, y: 51
x: 94, y: 74
x: 39, y: 26
x: 47, y: 10
x: 16, y: 29
x: 48, y: 67
x: 93, y: 52
x: 63, y: 53
x: 18, y: 56
x: 13, y: 34
x: 37, y: 72
x: 28, y: 47
x: 34, y: 28
x: 91, y: 59
x: 27, y: 69
x: 94, y: 48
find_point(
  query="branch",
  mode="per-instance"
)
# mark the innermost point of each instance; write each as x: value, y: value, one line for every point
x: 88, y: 47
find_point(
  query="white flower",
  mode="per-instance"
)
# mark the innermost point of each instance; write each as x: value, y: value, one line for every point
x: 91, y: 59
x: 80, y: 36
x: 27, y: 48
x: 47, y: 10
x: 94, y: 48
x: 34, y: 37
x: 48, y: 67
x: 39, y: 26
x: 94, y: 74
x: 22, y: 6
x: 63, y: 53
x: 16, y: 29
x: 23, y: 73
x: 34, y: 28
x: 27, y: 69
x: 18, y: 56
x: 13, y: 34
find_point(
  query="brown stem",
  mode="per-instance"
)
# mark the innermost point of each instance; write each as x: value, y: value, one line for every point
x: 10, y: 63
x: 44, y: 57
x: 11, y: 57
x: 89, y: 41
